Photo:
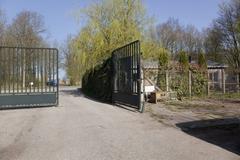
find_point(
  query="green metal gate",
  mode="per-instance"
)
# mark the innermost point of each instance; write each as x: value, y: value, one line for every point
x: 28, y: 77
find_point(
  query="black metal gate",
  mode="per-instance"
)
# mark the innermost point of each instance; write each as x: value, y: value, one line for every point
x: 127, y: 75
x: 28, y: 77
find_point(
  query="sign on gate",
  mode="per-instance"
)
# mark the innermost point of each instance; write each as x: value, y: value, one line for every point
x: 28, y: 77
x: 127, y: 75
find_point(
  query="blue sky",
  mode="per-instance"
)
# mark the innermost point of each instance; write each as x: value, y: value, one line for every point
x: 60, y: 22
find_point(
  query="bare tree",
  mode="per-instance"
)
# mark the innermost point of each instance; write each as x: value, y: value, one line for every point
x: 212, y: 44
x: 2, y: 27
x: 227, y: 24
x: 26, y: 30
x: 224, y: 35
x: 168, y: 35
x: 176, y: 37
x: 192, y: 40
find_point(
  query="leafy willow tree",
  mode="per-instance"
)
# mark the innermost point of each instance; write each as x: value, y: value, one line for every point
x: 109, y: 25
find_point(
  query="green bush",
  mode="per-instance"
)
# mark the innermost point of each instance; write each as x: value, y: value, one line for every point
x: 179, y: 83
x: 183, y: 60
x: 199, y: 82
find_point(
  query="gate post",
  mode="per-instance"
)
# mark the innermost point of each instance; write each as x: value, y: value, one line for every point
x: 139, y: 81
x: 223, y: 81
x: 142, y: 93
x: 114, y: 85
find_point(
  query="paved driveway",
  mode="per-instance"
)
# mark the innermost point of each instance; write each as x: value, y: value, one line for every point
x: 84, y: 129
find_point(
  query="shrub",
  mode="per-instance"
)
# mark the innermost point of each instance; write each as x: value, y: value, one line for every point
x: 199, y: 82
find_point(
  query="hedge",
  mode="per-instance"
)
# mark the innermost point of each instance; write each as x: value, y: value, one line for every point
x: 97, y: 82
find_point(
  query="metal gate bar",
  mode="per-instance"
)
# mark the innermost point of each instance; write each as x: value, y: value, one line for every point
x: 28, y: 76
x: 127, y: 75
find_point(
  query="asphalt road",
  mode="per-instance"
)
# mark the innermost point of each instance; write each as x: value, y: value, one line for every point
x: 83, y: 129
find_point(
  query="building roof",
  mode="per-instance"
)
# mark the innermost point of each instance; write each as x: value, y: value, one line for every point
x: 215, y: 65
x: 153, y: 64
x: 150, y: 64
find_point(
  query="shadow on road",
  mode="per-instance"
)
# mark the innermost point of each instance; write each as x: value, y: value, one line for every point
x: 76, y: 92
x: 221, y: 132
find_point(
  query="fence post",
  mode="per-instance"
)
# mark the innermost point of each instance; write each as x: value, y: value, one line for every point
x: 190, y: 83
x: 223, y: 82
x: 208, y: 85
x: 167, y: 83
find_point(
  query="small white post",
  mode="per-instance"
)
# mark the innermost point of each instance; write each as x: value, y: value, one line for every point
x: 223, y: 82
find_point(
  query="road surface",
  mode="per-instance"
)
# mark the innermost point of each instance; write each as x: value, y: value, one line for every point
x: 83, y: 129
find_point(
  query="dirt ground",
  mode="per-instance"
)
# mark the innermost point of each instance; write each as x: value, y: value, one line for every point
x: 196, y: 109
x: 213, y: 120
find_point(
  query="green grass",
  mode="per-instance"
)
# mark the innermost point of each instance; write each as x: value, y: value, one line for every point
x: 225, y: 96
x: 186, y: 105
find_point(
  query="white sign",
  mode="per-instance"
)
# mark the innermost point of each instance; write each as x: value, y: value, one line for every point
x: 149, y: 89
